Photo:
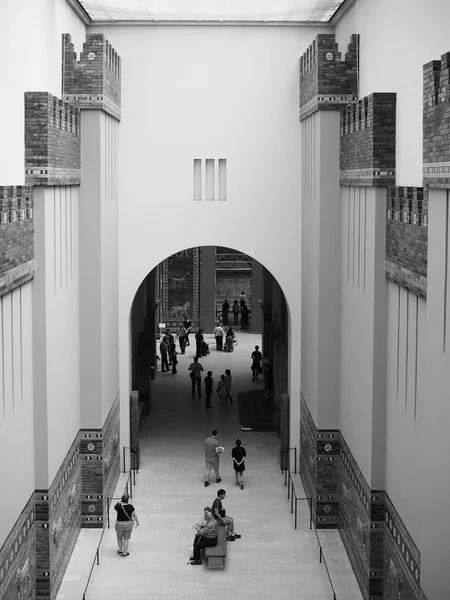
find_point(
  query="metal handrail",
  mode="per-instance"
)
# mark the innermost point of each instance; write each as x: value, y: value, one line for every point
x: 292, y: 496
x: 131, y: 480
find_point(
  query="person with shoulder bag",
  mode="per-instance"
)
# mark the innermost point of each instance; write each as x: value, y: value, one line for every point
x: 126, y: 519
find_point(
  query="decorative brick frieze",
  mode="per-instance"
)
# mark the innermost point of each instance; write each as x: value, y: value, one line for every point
x: 16, y: 236
x: 436, y: 123
x: 319, y: 468
x: 52, y: 141
x: 94, y: 81
x: 401, y: 559
x: 407, y: 238
x: 327, y: 82
x: 100, y: 465
x: 18, y: 558
x: 367, y: 148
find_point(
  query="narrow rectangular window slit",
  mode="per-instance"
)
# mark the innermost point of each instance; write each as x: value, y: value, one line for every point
x: 197, y: 179
x: 222, y: 179
x: 209, y: 183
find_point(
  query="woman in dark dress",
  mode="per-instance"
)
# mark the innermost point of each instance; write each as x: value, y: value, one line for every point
x: 126, y: 518
x: 238, y: 455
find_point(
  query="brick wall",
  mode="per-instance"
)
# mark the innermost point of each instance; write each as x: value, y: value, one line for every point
x: 94, y: 81
x: 99, y: 458
x: 18, y: 558
x: 16, y: 236
x: 367, y: 148
x: 327, y: 82
x: 436, y: 121
x: 407, y: 238
x: 52, y: 141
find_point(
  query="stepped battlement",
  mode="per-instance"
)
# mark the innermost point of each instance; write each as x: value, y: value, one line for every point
x: 93, y: 81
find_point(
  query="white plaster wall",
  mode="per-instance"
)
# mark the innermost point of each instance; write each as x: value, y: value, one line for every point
x: 397, y: 39
x: 30, y: 47
x: 56, y: 327
x: 209, y: 92
x: 436, y: 441
x: 406, y: 405
x: 16, y: 402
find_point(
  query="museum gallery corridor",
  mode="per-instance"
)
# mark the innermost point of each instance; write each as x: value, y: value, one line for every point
x: 271, y: 561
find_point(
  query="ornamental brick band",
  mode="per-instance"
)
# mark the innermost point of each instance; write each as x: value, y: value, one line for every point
x: 407, y: 238
x: 367, y: 149
x: 16, y: 236
x: 326, y: 82
x: 52, y: 141
x: 436, y: 123
x: 93, y: 82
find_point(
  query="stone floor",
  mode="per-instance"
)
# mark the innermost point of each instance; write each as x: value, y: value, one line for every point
x: 272, y: 560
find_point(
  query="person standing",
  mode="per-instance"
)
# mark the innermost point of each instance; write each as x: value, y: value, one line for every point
x: 195, y: 369
x: 256, y: 364
x: 230, y: 340
x: 236, y: 311
x: 212, y: 457
x: 225, y: 309
x: 126, y: 518
x: 173, y: 357
x: 209, y: 382
x: 218, y: 334
x: 228, y: 379
x: 198, y: 342
x: 182, y: 338
x: 222, y: 392
x: 242, y: 299
x: 238, y: 455
x: 163, y: 350
x: 187, y: 325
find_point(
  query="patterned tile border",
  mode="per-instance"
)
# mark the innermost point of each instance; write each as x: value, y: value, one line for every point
x: 18, y: 558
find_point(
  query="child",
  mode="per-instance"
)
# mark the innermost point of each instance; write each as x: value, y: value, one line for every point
x: 209, y: 382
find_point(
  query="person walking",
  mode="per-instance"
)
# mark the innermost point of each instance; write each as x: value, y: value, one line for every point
x: 219, y: 334
x: 126, y: 519
x: 236, y: 311
x: 163, y: 350
x: 222, y: 392
x: 228, y: 379
x: 209, y: 382
x: 230, y: 340
x: 198, y: 342
x: 238, y: 455
x: 256, y: 363
x: 195, y: 370
x: 212, y: 452
x: 187, y: 325
x: 182, y: 338
x: 173, y: 357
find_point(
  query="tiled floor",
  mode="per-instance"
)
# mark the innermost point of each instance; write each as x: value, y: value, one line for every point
x: 272, y: 560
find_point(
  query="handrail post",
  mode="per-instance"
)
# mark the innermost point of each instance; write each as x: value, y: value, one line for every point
x: 108, y: 506
x: 124, y: 465
x: 295, y: 519
x: 310, y: 512
x: 320, y: 553
x: 289, y: 486
x: 295, y: 461
x: 98, y: 557
x: 292, y: 497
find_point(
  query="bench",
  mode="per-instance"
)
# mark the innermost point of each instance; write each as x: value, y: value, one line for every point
x: 215, y: 555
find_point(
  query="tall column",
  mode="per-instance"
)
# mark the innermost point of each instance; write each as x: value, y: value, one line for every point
x: 207, y: 288
x: 93, y: 84
x: 258, y: 291
x: 326, y: 84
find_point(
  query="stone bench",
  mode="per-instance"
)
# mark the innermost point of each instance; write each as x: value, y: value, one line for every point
x: 215, y: 555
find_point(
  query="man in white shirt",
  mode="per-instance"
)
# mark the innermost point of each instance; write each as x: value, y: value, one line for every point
x: 219, y: 333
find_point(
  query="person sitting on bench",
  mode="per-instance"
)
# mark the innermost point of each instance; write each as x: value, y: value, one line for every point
x: 220, y: 514
x: 206, y: 535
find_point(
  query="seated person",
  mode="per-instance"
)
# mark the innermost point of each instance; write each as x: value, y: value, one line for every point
x: 220, y: 514
x: 206, y: 535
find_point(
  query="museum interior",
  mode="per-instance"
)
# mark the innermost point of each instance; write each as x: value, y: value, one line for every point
x: 160, y: 158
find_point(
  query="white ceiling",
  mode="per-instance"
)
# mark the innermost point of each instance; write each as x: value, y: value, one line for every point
x: 211, y: 10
